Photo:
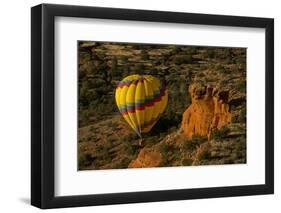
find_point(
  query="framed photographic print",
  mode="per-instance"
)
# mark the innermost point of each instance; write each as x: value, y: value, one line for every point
x: 139, y: 106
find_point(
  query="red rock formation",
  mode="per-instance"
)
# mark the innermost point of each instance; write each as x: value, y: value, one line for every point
x: 146, y: 158
x: 209, y: 110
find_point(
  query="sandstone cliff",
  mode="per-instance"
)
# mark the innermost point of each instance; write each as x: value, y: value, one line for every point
x: 210, y: 110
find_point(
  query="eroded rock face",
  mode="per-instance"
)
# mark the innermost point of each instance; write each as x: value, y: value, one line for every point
x: 209, y: 110
x: 146, y: 158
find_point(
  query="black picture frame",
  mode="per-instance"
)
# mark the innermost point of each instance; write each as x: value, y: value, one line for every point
x: 43, y: 110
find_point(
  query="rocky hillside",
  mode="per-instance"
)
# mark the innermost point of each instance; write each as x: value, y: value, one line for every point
x: 207, y: 135
x: 204, y: 122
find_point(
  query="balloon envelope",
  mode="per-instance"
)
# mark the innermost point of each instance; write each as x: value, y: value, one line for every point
x: 141, y: 99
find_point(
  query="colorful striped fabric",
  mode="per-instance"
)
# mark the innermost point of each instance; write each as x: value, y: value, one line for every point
x: 141, y: 99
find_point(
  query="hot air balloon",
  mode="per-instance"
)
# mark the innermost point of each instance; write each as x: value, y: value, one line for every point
x: 141, y: 99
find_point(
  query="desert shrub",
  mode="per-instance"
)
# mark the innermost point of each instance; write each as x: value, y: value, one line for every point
x: 123, y: 164
x: 243, y: 67
x: 228, y: 161
x: 111, y: 124
x: 228, y: 61
x: 227, y: 71
x: 91, y: 128
x: 164, y: 161
x: 183, y: 59
x: 90, y: 138
x: 130, y: 137
x: 204, y: 155
x: 168, y: 152
x: 242, y: 116
x: 224, y: 82
x: 194, y: 143
x: 110, y: 140
x: 86, y: 56
x: 129, y: 149
x: 138, y: 46
x: 219, y: 67
x: 175, y: 50
x: 210, y: 53
x: 95, y: 83
x: 241, y: 86
x: 187, y: 162
x: 201, y: 75
x: 114, y: 66
x: 164, y: 148
x: 175, y: 153
x: 199, y: 139
x: 144, y: 55
x: 191, y: 50
x: 84, y: 160
x: 225, y: 53
x: 84, y: 117
x: 220, y: 133
x: 150, y: 141
x: 240, y: 144
x: 124, y: 58
x: 235, y: 119
x: 139, y: 69
x: 240, y: 60
x: 189, y: 145
x: 100, y: 149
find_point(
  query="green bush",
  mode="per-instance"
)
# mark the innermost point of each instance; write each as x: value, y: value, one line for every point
x: 183, y: 59
x: 242, y: 116
x: 235, y: 119
x: 199, y: 139
x: 187, y: 162
x: 84, y: 160
x: 129, y: 148
x: 175, y: 50
x: 194, y: 143
x: 114, y: 64
x: 124, y: 59
x: 242, y: 86
x: 139, y: 69
x: 164, y: 148
x: 220, y: 133
x: 204, y: 155
x: 123, y: 164
x: 210, y: 53
x: 144, y: 55
x: 189, y: 145
x: 164, y: 161
x: 110, y: 140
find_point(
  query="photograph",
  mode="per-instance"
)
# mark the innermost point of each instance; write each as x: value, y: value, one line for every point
x: 146, y: 105
x: 134, y: 105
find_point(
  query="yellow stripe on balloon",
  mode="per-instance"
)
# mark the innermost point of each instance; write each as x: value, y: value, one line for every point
x: 148, y: 111
x: 130, y: 100
x: 117, y: 96
x: 123, y: 95
x: 156, y: 89
x: 139, y: 103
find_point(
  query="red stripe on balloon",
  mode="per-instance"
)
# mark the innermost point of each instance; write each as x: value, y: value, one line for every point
x: 131, y: 110
x: 149, y: 103
x: 140, y: 108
